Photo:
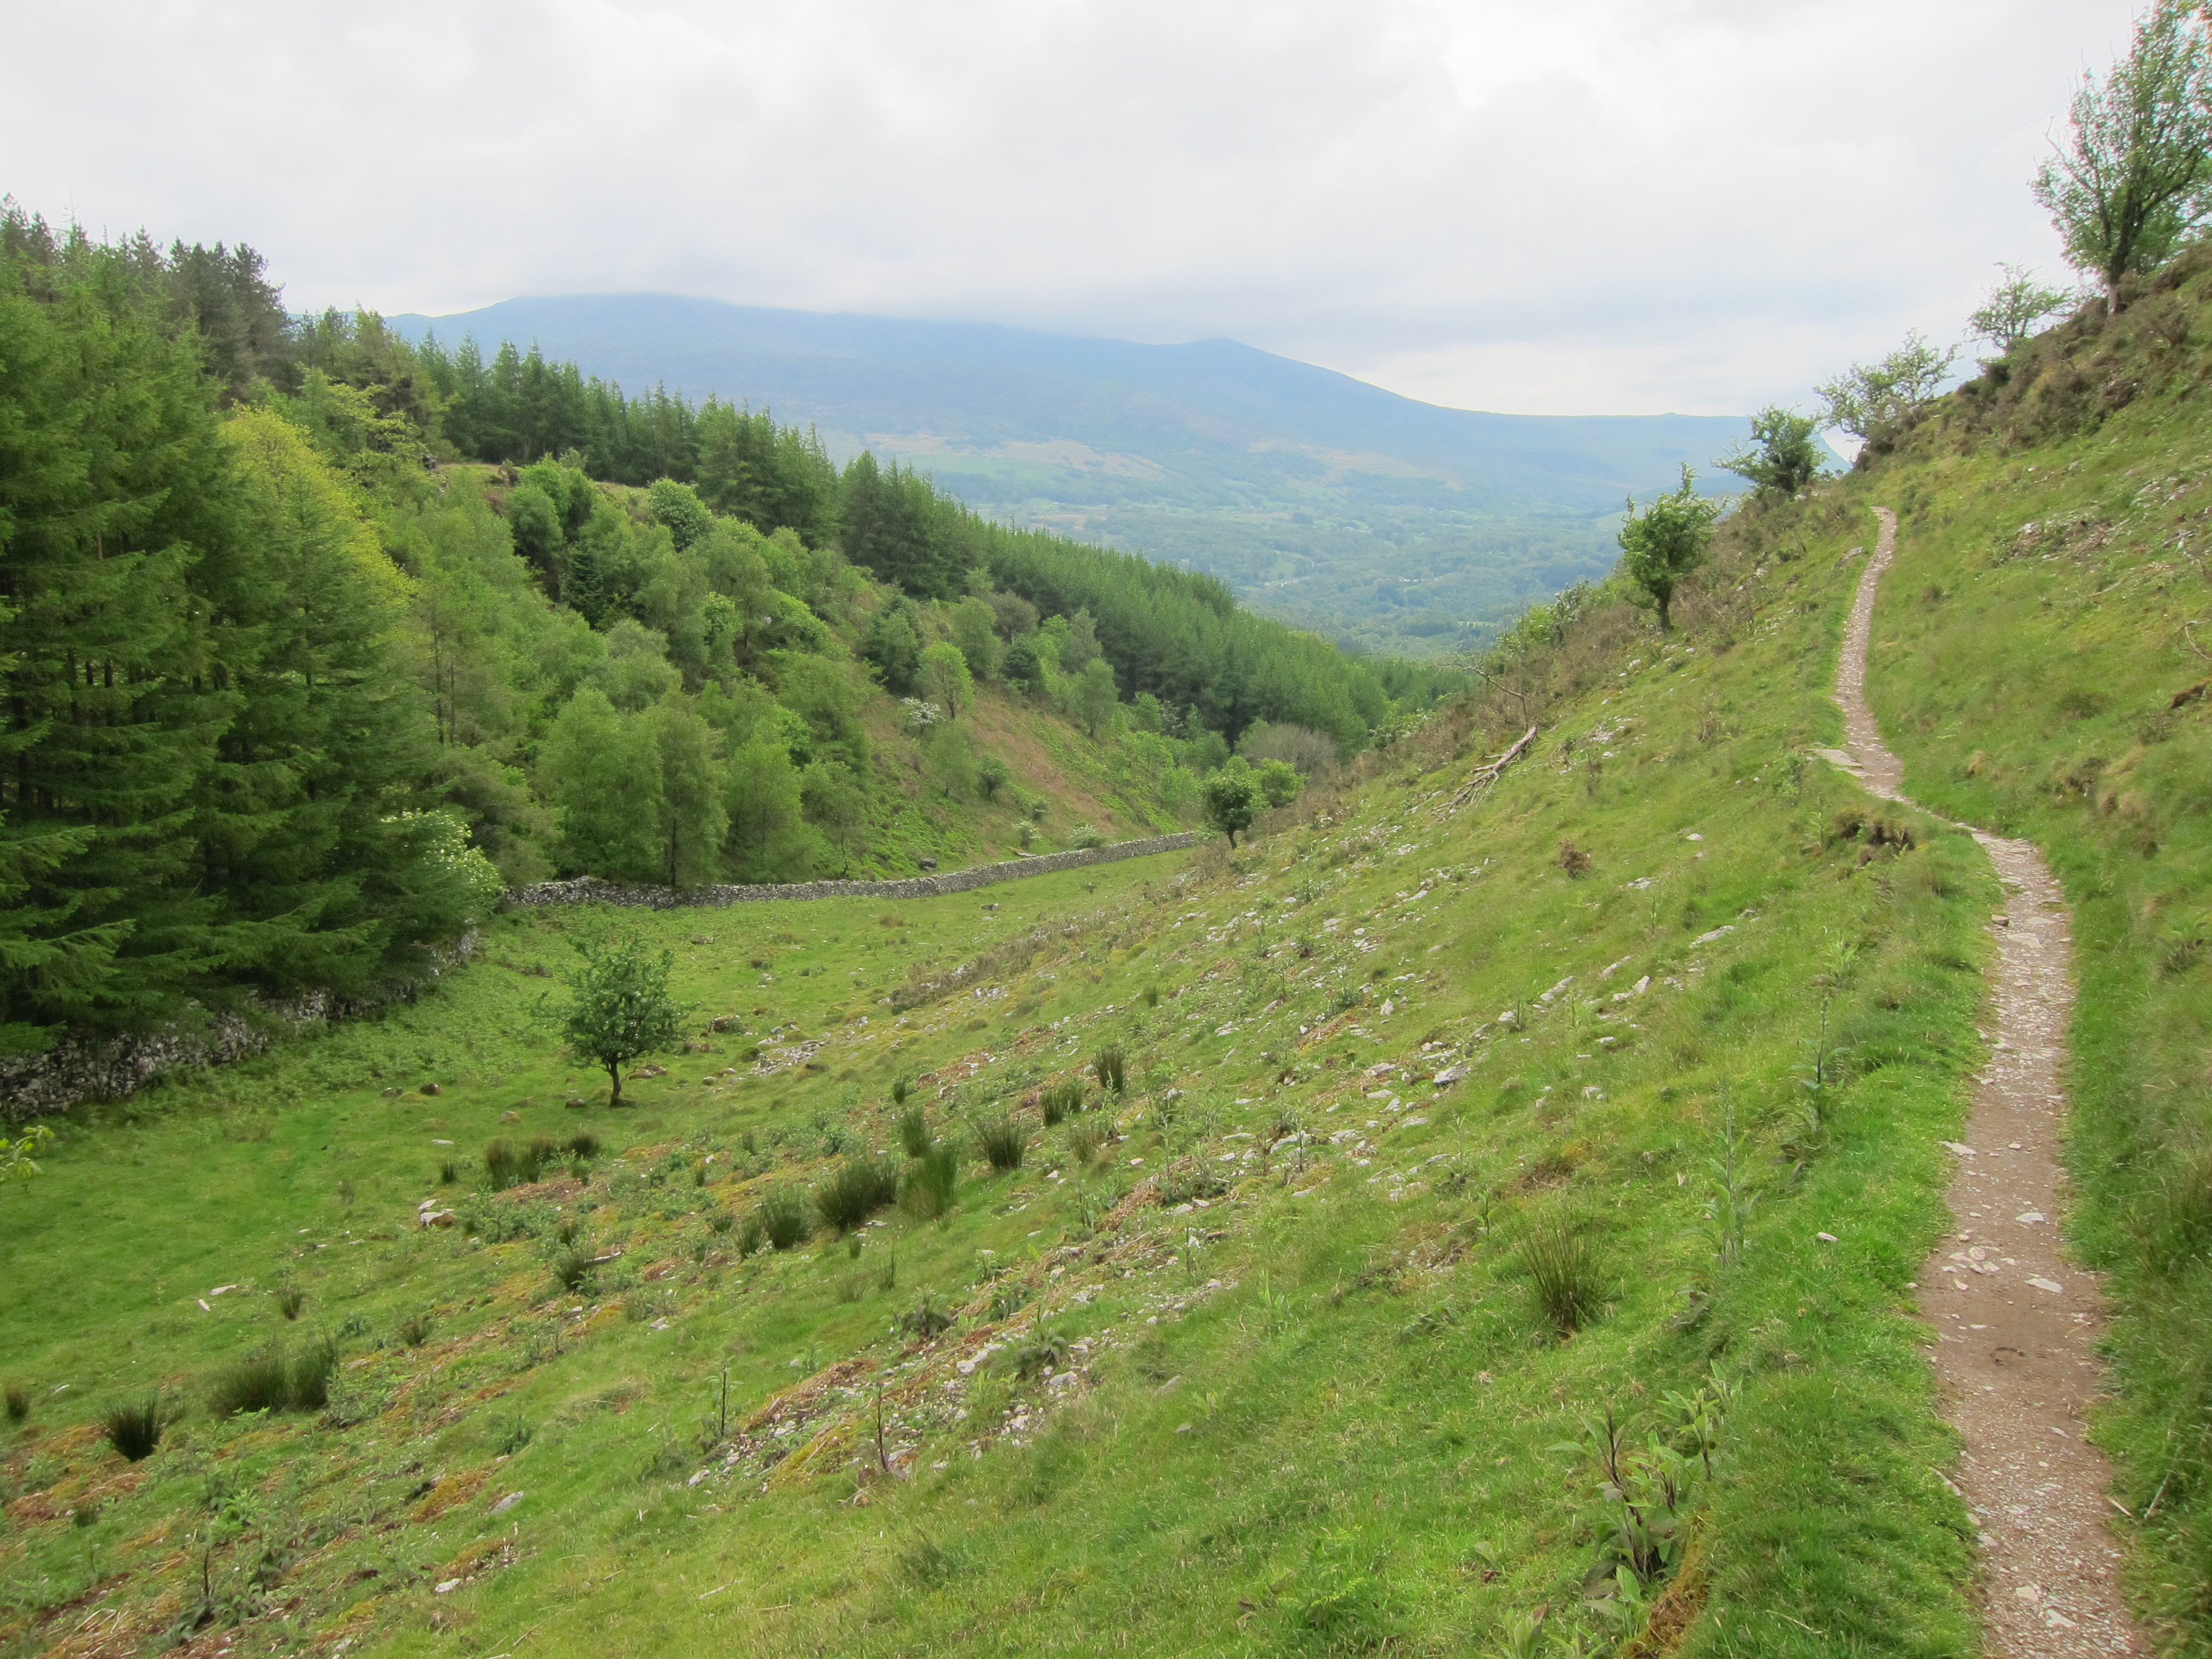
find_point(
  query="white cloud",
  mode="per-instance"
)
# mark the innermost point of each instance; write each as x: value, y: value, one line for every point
x: 1622, y: 205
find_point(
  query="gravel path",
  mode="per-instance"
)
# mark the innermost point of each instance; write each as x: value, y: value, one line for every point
x: 2013, y: 1322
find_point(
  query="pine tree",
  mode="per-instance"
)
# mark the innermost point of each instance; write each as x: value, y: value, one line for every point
x: 112, y: 477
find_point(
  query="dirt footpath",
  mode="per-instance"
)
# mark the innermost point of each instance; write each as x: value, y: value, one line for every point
x: 2012, y: 1321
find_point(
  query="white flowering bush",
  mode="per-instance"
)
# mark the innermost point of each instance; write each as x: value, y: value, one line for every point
x: 446, y: 848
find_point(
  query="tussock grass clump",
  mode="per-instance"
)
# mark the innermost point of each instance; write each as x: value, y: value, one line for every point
x: 785, y: 1223
x: 17, y: 1399
x: 926, y: 1563
x: 930, y: 1184
x: 1061, y: 1100
x: 415, y: 1330
x: 1003, y: 1142
x: 572, y: 1266
x: 1111, y: 1067
x: 913, y: 1131
x: 1083, y: 1141
x: 927, y: 1317
x: 507, y: 1165
x: 274, y: 1380
x: 290, y: 1300
x: 134, y: 1427
x: 1565, y: 1270
x: 502, y: 1165
x: 860, y: 1189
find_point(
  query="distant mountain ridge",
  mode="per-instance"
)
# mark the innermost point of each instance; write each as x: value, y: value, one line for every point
x: 1318, y: 497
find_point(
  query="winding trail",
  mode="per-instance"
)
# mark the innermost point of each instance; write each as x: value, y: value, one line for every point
x: 2013, y: 1322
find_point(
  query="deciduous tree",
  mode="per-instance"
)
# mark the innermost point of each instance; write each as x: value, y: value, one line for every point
x: 2132, y: 180
x: 1668, y: 540
x: 620, y: 1007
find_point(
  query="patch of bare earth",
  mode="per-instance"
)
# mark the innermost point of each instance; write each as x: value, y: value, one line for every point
x: 2012, y: 1321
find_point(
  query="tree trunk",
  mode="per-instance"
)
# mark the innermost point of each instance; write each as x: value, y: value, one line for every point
x: 614, y: 1073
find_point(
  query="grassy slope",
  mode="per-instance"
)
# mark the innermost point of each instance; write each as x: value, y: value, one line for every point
x: 2028, y: 652
x: 1322, y: 1411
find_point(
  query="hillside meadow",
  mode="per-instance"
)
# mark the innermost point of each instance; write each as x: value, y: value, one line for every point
x: 1284, y: 1343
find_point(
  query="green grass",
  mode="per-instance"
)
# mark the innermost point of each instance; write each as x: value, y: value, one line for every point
x: 1312, y: 1401
x: 2036, y: 651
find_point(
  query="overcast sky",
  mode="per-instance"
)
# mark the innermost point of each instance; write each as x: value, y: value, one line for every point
x: 1551, y: 206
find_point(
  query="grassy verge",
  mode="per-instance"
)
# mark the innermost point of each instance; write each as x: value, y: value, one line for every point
x: 2039, y: 652
x: 1285, y: 1345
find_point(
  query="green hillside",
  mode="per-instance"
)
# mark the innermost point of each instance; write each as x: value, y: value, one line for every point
x: 1390, y: 524
x: 290, y: 688
x: 1480, y: 1213
x: 1282, y: 1345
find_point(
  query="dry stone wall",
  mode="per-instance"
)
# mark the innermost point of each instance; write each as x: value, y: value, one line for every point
x: 589, y: 889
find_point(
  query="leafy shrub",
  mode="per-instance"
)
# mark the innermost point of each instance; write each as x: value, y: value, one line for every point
x: 860, y: 1189
x: 1007, y: 1300
x: 913, y: 1131
x: 1565, y: 1270
x: 784, y: 1221
x: 18, y: 1402
x: 276, y: 1381
x: 134, y: 1427
x: 1061, y: 1100
x: 1003, y: 1142
x: 290, y: 1298
x: 1111, y: 1066
x: 932, y: 1180
x: 1086, y: 838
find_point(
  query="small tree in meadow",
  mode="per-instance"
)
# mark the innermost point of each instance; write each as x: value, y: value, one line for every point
x: 1231, y: 800
x: 1667, y: 540
x: 621, y: 1008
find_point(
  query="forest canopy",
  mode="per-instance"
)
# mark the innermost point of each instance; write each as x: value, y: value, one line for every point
x: 312, y: 640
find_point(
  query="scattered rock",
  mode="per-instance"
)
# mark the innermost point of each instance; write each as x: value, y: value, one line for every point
x: 506, y: 1502
x: 2051, y: 1285
x: 432, y: 1088
x: 1450, y: 1074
